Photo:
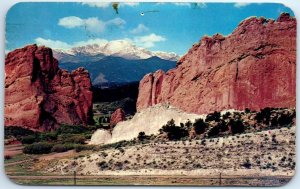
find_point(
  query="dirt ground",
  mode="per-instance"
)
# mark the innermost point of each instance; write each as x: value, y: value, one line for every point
x: 271, y: 155
x: 12, y: 150
x: 151, y: 180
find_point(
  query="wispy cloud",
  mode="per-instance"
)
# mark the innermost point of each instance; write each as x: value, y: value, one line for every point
x: 92, y: 24
x: 131, y: 4
x: 193, y: 5
x: 139, y: 29
x: 117, y: 22
x: 107, y: 4
x: 89, y: 42
x: 239, y: 5
x: 182, y: 4
x: 200, y: 5
x: 97, y: 4
x: 148, y: 41
x: 71, y: 22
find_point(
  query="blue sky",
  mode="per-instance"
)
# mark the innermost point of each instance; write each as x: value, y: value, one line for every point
x: 168, y: 27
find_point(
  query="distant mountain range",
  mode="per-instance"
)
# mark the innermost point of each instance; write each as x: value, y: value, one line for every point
x: 116, y: 62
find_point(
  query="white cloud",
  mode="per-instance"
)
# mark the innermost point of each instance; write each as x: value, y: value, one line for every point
x: 139, y: 29
x: 71, y: 22
x: 200, y: 5
x: 193, y: 5
x: 90, y: 42
x: 55, y: 44
x: 97, y: 4
x: 239, y: 5
x: 107, y: 4
x: 182, y: 4
x: 131, y: 4
x: 116, y: 21
x: 92, y: 24
x: 148, y: 41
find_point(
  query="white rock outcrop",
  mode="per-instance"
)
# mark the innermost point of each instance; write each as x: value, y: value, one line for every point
x: 149, y: 120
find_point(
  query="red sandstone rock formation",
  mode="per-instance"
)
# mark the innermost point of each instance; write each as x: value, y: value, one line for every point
x: 40, y: 96
x: 117, y: 116
x: 254, y: 67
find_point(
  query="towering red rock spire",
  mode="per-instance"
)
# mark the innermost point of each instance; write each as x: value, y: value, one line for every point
x: 40, y: 96
x: 254, y: 67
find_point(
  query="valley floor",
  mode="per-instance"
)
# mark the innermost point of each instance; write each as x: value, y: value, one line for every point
x: 265, y: 158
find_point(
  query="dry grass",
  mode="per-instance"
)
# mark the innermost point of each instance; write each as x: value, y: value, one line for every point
x: 263, y: 153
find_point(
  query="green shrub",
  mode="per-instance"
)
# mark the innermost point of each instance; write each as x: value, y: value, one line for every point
x: 264, y: 115
x: 247, y: 110
x: 38, y: 148
x: 72, y: 138
x: 247, y: 164
x: 213, y: 132
x: 188, y: 124
x: 62, y: 147
x: 274, y: 122
x: 88, y: 135
x: 174, y: 132
x: 29, y: 139
x: 74, y: 129
x: 223, y: 127
x: 141, y: 136
x: 226, y: 115
x: 48, y: 136
x: 285, y: 119
x: 200, y: 126
x: 79, y: 147
x: 103, y: 165
x: 236, y: 126
x: 121, y: 150
x: 117, y: 145
x: 17, y: 132
x: 213, y: 117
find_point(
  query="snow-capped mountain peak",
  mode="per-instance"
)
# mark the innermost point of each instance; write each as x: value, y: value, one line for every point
x: 118, y: 48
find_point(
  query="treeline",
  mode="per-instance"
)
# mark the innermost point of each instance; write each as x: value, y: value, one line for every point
x: 229, y: 123
x: 115, y: 93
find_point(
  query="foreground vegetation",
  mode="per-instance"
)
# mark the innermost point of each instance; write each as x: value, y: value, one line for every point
x: 215, y: 125
x: 63, y: 139
x: 250, y: 144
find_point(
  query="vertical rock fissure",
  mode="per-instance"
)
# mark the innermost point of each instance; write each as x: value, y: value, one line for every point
x: 237, y: 71
x: 151, y: 89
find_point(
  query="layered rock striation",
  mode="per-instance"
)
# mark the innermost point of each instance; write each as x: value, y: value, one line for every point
x: 254, y: 67
x: 41, y: 96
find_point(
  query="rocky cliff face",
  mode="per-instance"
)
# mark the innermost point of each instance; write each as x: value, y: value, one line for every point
x: 254, y: 67
x: 117, y: 116
x: 41, y: 96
